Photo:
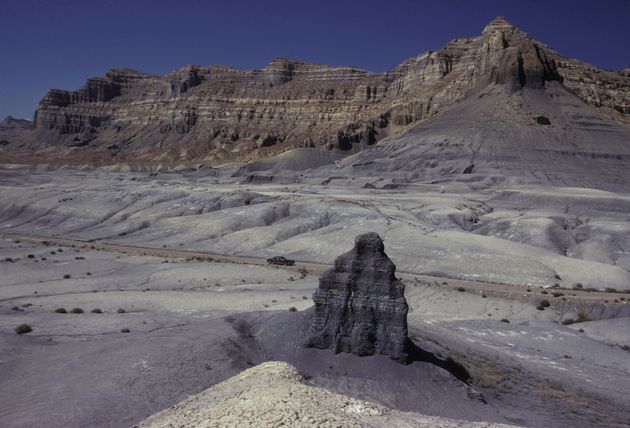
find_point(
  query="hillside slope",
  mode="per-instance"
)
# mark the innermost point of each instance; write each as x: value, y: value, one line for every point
x: 542, y: 136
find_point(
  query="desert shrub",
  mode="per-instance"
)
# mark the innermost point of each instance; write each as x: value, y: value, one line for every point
x: 581, y: 330
x: 461, y: 289
x: 556, y: 294
x: 557, y: 277
x: 544, y: 292
x: 67, y: 276
x: 544, y: 303
x: 568, y: 321
x: 303, y: 272
x: 577, y: 286
x: 23, y: 328
x: 582, y: 317
x: 505, y: 320
x: 540, y: 308
x: 76, y: 311
x: 292, y: 309
x: 291, y: 278
x: 610, y: 290
x: 61, y: 311
x: 120, y: 311
x: 529, y: 290
x: 31, y: 256
x: 483, y: 296
x: 125, y: 330
x: 97, y: 311
x: 305, y: 375
x: 304, y: 298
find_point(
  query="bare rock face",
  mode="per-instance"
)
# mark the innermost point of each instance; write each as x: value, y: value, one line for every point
x: 360, y: 307
x: 218, y: 114
x: 513, y: 58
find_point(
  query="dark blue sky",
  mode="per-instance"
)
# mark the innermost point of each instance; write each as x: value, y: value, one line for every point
x: 59, y: 43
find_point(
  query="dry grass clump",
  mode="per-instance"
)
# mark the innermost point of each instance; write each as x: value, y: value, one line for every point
x: 483, y: 375
x: 23, y: 329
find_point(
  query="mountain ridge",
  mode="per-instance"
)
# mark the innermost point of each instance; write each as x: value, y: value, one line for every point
x: 218, y: 114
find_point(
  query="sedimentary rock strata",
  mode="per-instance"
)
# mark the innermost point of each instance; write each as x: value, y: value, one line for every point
x: 216, y: 114
x: 360, y: 307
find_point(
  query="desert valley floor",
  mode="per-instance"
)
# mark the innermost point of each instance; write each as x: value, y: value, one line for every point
x: 174, y: 265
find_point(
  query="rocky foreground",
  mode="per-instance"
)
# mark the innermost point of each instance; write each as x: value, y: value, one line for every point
x: 275, y: 394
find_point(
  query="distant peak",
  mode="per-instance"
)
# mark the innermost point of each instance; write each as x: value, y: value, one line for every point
x: 124, y: 71
x: 11, y: 119
x: 500, y: 22
x: 285, y: 63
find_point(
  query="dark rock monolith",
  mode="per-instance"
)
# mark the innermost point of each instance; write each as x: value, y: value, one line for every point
x: 360, y: 306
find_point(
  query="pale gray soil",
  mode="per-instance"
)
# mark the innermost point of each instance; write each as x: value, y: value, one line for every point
x: 524, y: 235
x: 194, y: 323
x: 545, y: 209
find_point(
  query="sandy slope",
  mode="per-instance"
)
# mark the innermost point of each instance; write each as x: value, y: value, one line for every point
x: 275, y: 394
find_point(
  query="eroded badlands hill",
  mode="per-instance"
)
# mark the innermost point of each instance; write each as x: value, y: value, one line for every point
x: 218, y: 114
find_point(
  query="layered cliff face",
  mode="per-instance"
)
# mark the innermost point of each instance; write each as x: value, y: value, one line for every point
x: 219, y: 114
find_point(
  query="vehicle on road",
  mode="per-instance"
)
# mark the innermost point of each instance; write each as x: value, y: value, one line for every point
x: 280, y: 260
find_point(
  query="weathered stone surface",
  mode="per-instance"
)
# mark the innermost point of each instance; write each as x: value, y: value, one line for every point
x: 274, y: 394
x: 360, y: 306
x: 195, y: 112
